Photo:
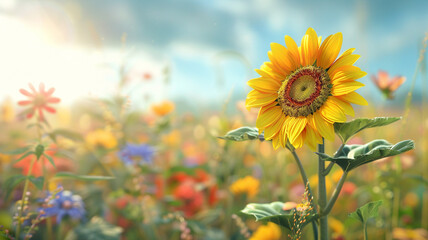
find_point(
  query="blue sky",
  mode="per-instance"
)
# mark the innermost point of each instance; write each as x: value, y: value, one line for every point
x: 204, y: 40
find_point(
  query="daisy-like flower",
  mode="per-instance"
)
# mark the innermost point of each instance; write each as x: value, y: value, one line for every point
x: 38, y: 100
x: 137, y: 154
x: 64, y: 204
x: 304, y: 90
x: 386, y: 84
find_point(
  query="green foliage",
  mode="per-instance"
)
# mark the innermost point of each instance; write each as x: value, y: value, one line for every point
x: 16, y: 151
x: 24, y: 156
x: 369, y: 210
x: 10, y: 183
x: 242, y: 134
x: 82, y: 177
x: 50, y: 159
x: 38, y: 182
x: 96, y: 229
x: 348, y: 129
x: 65, y: 133
x: 273, y: 212
x: 40, y: 149
x: 353, y: 156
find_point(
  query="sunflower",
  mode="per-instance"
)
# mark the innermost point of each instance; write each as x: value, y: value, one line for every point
x: 304, y: 90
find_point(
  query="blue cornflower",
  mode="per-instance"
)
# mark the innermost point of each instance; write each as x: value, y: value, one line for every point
x: 64, y: 204
x: 131, y: 152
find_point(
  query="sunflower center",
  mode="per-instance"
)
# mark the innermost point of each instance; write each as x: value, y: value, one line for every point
x: 304, y: 91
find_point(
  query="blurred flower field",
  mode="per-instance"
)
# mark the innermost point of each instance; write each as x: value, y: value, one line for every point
x: 139, y: 163
x: 113, y: 173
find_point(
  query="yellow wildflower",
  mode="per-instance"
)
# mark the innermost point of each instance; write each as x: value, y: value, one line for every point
x: 101, y: 138
x: 271, y: 231
x: 248, y: 185
x: 163, y: 108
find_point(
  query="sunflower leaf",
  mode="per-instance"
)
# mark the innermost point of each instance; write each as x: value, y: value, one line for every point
x: 348, y: 129
x: 353, y: 156
x: 369, y: 210
x: 273, y: 212
x: 243, y: 134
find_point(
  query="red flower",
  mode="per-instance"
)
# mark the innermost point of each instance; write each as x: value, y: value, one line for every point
x: 38, y: 100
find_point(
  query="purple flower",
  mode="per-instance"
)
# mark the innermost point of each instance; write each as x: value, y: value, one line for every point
x: 64, y: 204
x: 143, y: 153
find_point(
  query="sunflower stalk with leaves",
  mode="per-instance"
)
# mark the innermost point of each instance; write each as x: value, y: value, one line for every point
x: 304, y: 94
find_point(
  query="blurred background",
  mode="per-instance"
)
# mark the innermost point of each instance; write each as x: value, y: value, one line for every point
x: 191, y: 50
x: 163, y: 79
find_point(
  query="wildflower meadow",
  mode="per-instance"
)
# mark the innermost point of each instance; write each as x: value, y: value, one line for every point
x: 145, y: 120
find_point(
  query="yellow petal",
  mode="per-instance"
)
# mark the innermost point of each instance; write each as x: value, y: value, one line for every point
x: 312, y: 138
x: 274, y: 129
x: 329, y: 50
x: 275, y: 142
x: 264, y: 84
x: 346, y: 73
x: 277, y: 64
x: 295, y: 126
x: 268, y: 116
x: 259, y: 102
x: 345, y: 87
x: 292, y: 47
x: 343, y: 61
x: 325, y: 128
x: 267, y: 70
x: 298, y: 142
x: 283, y: 57
x: 331, y: 112
x: 355, y: 98
x: 344, y: 106
x: 309, y: 47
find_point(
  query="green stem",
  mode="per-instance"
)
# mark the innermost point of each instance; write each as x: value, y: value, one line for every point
x: 306, y: 181
x: 365, y: 231
x: 322, y: 194
x: 336, y: 193
x: 21, y: 210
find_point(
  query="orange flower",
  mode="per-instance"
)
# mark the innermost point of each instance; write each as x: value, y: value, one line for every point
x: 386, y: 84
x: 38, y: 100
x: 163, y: 108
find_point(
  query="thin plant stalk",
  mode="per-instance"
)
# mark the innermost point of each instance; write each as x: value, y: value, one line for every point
x: 322, y: 194
x: 21, y: 210
x: 306, y: 182
x: 336, y: 193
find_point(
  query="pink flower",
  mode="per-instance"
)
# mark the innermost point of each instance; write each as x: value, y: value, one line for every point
x: 386, y: 84
x: 38, y: 100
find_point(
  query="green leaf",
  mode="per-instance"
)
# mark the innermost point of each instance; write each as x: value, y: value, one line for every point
x: 24, y: 156
x: 242, y: 134
x: 96, y: 229
x: 40, y: 149
x: 273, y: 212
x: 82, y: 177
x: 11, y: 183
x: 348, y: 129
x: 370, y: 210
x: 38, y: 182
x: 353, y: 156
x: 16, y: 151
x: 50, y: 159
x: 65, y: 133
